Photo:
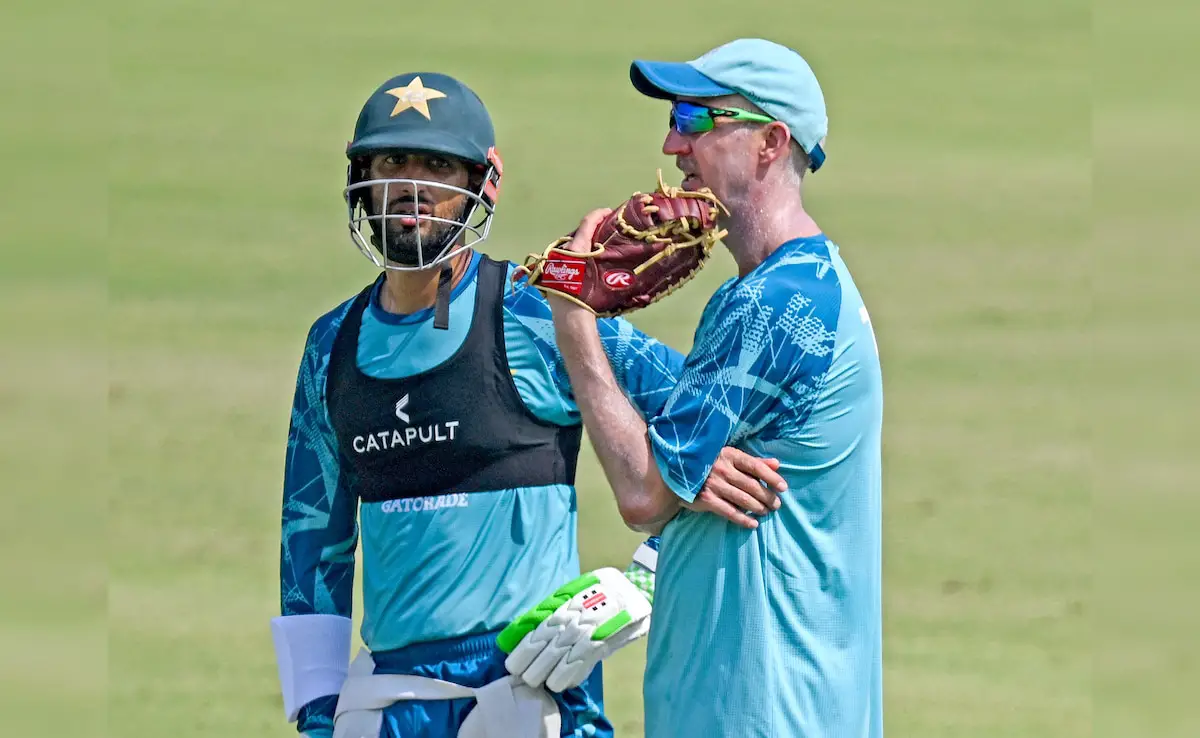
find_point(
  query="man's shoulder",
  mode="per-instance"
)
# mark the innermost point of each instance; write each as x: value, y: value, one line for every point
x: 323, y: 330
x: 800, y: 274
x: 804, y: 262
x: 792, y: 300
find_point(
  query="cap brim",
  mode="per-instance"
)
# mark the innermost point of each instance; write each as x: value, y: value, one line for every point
x: 669, y: 80
x: 430, y: 140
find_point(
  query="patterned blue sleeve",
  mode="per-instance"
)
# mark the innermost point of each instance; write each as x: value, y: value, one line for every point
x: 762, y: 350
x: 645, y: 368
x: 320, y: 529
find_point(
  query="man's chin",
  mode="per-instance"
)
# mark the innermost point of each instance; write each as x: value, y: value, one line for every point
x: 403, y: 251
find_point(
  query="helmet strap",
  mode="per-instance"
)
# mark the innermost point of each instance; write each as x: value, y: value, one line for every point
x: 441, y: 305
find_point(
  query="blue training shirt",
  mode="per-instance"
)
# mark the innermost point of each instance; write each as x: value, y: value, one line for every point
x: 441, y: 566
x: 774, y: 631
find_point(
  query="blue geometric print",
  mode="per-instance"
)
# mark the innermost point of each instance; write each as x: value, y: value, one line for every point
x: 763, y: 347
x: 319, y: 529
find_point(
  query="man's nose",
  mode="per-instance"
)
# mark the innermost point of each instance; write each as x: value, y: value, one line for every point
x: 402, y: 190
x: 676, y: 144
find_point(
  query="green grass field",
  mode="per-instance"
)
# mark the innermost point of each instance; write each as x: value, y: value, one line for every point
x: 959, y: 185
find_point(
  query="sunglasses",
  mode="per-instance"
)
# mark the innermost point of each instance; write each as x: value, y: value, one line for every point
x: 689, y: 118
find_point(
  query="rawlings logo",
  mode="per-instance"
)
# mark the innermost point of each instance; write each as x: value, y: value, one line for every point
x: 563, y: 272
x: 619, y: 279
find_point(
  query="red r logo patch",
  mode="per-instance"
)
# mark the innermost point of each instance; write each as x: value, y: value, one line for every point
x: 619, y: 279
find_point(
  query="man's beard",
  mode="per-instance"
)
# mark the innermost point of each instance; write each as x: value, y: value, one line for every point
x: 402, y: 240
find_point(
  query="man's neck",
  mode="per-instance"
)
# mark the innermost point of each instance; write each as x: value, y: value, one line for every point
x: 758, y: 231
x: 408, y: 292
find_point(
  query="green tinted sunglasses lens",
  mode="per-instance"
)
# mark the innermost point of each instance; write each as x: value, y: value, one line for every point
x: 689, y: 119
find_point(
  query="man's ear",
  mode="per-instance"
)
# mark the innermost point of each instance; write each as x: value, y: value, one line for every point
x: 776, y: 142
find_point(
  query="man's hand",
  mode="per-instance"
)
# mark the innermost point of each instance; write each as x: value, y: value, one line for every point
x: 559, y: 642
x: 580, y: 243
x: 581, y: 239
x: 735, y: 488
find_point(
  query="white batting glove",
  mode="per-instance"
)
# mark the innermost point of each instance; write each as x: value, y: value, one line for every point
x: 558, y: 643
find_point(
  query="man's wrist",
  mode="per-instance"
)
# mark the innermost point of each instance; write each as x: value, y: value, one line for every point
x: 564, y: 309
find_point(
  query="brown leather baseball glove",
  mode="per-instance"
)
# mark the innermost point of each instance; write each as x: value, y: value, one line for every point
x: 646, y: 248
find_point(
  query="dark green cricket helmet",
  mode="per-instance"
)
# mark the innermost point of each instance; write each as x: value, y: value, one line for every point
x: 429, y: 113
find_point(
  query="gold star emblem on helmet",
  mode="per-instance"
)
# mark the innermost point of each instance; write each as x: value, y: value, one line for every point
x: 414, y: 95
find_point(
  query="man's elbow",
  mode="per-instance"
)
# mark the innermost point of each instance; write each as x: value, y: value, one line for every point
x: 646, y: 514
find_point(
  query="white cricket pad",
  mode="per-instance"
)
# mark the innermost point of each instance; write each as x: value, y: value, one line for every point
x: 646, y: 556
x: 313, y: 655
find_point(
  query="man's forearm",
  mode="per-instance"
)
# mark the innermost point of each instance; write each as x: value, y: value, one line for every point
x: 615, y: 429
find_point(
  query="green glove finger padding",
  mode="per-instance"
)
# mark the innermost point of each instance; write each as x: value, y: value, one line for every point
x: 522, y: 626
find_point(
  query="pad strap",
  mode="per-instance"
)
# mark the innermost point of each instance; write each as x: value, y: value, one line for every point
x: 505, y: 708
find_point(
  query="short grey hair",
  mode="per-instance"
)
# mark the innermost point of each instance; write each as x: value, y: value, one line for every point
x: 800, y: 161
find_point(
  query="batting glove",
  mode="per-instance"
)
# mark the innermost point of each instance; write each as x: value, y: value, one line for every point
x: 558, y: 643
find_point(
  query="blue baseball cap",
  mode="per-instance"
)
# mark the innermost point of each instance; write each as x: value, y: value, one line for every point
x: 775, y: 78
